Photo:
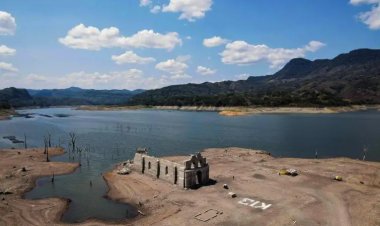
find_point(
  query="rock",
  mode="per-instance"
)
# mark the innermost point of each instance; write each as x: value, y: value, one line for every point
x: 124, y: 171
x: 289, y: 172
x: 292, y: 172
x: 225, y: 186
x: 232, y: 194
x: 338, y: 178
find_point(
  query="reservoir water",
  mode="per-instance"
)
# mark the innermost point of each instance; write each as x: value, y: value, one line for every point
x: 110, y: 137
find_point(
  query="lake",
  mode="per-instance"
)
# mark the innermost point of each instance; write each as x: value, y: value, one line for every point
x: 110, y: 137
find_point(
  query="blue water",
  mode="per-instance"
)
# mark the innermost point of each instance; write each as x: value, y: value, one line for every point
x: 112, y: 136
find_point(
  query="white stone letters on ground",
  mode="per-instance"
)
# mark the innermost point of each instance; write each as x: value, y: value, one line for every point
x: 254, y: 203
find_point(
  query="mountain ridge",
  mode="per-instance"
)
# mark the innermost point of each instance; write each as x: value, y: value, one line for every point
x: 349, y: 78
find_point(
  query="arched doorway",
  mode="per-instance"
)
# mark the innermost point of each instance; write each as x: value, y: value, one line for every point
x: 199, y: 177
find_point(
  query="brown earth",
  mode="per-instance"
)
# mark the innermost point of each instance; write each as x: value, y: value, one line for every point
x: 6, y: 114
x: 14, y: 182
x: 311, y: 198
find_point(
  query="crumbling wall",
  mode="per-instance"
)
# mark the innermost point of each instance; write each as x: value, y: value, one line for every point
x: 193, y: 172
x: 159, y: 168
x: 196, y: 177
x: 172, y: 172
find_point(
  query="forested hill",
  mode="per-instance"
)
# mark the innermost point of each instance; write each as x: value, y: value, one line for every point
x: 14, y: 97
x: 350, y: 78
x: 78, y: 96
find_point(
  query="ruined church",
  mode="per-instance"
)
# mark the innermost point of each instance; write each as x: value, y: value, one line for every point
x: 192, y: 172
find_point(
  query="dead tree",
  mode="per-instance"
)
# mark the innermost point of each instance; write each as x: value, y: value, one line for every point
x: 49, y: 139
x: 365, y: 150
x: 46, y: 151
x: 73, y: 139
x: 25, y: 145
x: 45, y: 145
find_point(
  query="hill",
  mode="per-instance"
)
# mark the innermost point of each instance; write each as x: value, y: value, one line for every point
x: 13, y: 97
x: 350, y: 78
x: 78, y: 96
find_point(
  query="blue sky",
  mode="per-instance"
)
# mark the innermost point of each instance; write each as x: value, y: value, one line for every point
x: 130, y: 44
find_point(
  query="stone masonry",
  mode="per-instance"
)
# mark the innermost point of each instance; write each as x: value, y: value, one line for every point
x: 190, y: 173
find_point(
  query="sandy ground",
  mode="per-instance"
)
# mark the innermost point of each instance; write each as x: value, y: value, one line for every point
x: 311, y: 198
x: 6, y: 114
x: 14, y: 182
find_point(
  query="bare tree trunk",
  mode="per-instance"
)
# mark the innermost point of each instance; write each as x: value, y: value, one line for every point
x: 49, y: 137
x: 25, y: 145
x: 73, y: 138
x: 46, y: 151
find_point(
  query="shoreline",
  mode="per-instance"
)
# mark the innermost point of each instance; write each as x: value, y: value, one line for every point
x: 312, y: 197
x: 6, y: 114
x: 255, y: 172
x: 17, y: 182
x: 239, y: 111
x: 223, y: 111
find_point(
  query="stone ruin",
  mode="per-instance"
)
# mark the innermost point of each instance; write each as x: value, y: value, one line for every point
x: 193, y: 172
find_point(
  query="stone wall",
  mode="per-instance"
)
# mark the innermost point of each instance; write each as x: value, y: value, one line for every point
x: 159, y: 168
x: 197, y: 177
x: 194, y: 172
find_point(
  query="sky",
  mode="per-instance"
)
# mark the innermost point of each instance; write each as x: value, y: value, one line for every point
x: 148, y: 44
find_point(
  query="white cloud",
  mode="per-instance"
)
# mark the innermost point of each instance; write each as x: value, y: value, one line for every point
x: 214, y: 41
x: 92, y: 38
x: 129, y: 79
x: 243, y: 53
x: 6, y: 51
x: 155, y: 9
x: 180, y: 76
x: 97, y: 80
x: 205, y: 71
x: 314, y: 46
x: 36, y: 78
x: 145, y: 2
x: 150, y: 39
x: 372, y: 17
x: 172, y: 66
x: 190, y: 9
x: 175, y: 67
x: 130, y: 57
x: 243, y: 76
x: 7, y: 67
x: 7, y: 24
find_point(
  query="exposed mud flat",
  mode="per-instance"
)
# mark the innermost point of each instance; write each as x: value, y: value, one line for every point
x: 19, y: 170
x: 238, y: 111
x: 263, y: 197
